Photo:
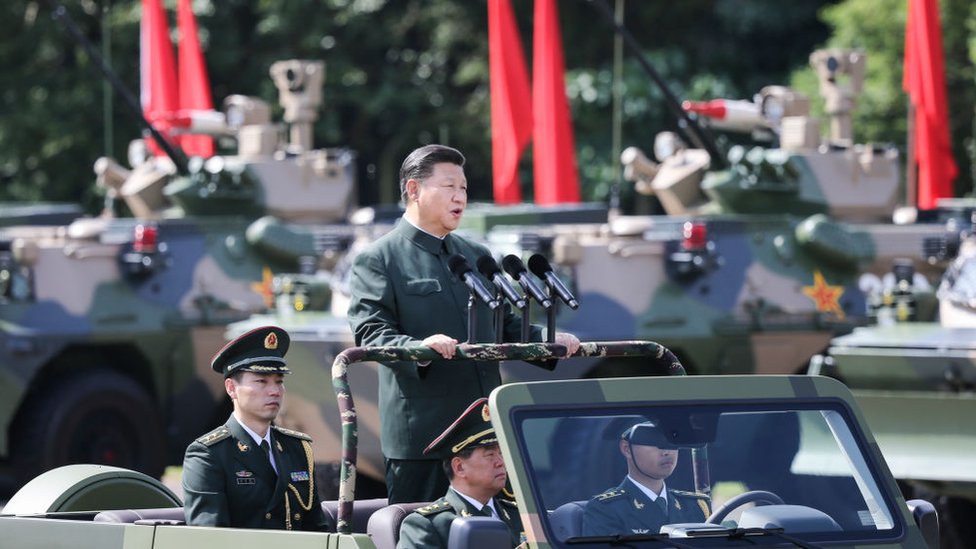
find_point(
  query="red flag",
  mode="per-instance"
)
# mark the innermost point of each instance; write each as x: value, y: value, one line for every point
x: 556, y: 179
x: 157, y: 70
x: 511, y: 106
x: 194, y: 85
x: 924, y: 80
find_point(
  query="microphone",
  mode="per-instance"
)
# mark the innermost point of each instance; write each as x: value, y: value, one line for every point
x: 489, y: 269
x: 460, y: 267
x: 542, y: 269
x: 514, y: 267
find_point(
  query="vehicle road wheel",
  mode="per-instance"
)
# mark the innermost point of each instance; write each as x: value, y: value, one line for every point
x: 99, y: 417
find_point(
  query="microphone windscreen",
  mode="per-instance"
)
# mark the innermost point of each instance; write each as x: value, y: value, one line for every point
x: 488, y: 266
x: 513, y: 265
x: 539, y: 265
x: 458, y: 265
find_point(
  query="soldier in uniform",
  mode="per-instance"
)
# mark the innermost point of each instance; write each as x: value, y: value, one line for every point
x: 402, y: 293
x: 250, y: 473
x: 642, y: 503
x: 477, y: 475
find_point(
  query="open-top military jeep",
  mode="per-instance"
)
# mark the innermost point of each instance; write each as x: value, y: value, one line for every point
x: 783, y: 461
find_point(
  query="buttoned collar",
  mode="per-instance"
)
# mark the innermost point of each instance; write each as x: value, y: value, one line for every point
x: 422, y: 238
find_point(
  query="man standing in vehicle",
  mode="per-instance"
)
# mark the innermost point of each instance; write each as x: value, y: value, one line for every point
x: 641, y: 504
x: 250, y: 473
x: 477, y: 475
x: 403, y: 294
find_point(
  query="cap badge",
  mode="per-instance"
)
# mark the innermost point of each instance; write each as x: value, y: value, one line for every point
x: 271, y: 341
x: 485, y: 415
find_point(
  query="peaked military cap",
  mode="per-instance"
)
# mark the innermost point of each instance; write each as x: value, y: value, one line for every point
x: 647, y: 433
x: 262, y: 350
x: 471, y: 429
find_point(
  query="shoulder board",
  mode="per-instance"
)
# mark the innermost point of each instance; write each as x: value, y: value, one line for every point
x: 289, y: 432
x: 218, y: 434
x: 609, y: 495
x: 683, y: 493
x: 433, y: 508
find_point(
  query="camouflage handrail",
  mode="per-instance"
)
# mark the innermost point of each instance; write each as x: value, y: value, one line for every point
x: 494, y: 351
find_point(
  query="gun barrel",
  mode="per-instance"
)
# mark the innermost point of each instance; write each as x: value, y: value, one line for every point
x: 729, y: 114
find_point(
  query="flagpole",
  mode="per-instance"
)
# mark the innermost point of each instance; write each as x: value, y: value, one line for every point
x: 617, y: 123
x: 911, y: 171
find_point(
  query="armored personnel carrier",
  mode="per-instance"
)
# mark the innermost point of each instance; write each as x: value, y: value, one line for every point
x: 914, y: 380
x: 757, y: 262
x: 835, y: 489
x: 108, y: 322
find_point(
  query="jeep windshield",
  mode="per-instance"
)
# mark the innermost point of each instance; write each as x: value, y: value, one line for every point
x: 737, y: 469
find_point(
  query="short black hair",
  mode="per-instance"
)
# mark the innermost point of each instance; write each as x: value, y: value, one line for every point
x: 419, y: 164
x: 465, y: 453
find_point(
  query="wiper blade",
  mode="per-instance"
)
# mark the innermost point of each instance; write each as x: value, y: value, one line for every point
x: 624, y: 539
x: 740, y: 533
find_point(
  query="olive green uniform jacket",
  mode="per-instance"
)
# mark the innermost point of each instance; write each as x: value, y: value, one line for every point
x: 627, y: 510
x: 402, y: 292
x: 229, y: 481
x: 428, y: 527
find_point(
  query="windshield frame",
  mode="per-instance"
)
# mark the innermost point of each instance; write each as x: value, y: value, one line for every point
x: 856, y: 442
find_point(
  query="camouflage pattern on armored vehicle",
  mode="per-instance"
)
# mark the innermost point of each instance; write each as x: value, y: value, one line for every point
x: 914, y: 381
x: 834, y: 488
x: 757, y: 263
x: 108, y: 322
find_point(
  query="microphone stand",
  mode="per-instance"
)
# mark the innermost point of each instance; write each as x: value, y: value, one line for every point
x: 500, y: 320
x: 551, y: 318
x: 525, y: 319
x: 472, y: 319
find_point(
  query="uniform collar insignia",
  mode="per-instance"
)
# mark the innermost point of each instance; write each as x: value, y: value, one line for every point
x: 677, y: 504
x: 241, y: 446
x: 638, y: 504
x: 278, y: 445
x: 465, y: 513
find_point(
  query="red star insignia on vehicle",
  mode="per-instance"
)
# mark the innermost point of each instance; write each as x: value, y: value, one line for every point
x: 263, y: 288
x: 825, y: 297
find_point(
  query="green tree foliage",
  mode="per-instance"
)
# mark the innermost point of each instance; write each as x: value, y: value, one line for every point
x: 404, y: 72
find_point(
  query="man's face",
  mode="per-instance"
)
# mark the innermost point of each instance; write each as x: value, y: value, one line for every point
x: 257, y: 397
x: 441, y: 199
x: 650, y: 461
x: 483, y: 471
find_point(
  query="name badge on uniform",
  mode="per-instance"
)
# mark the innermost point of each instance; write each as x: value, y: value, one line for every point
x: 246, y: 481
x: 297, y: 476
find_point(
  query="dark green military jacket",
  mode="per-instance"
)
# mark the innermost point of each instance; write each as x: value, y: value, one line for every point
x: 402, y: 292
x: 228, y: 481
x: 428, y: 527
x: 627, y: 510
